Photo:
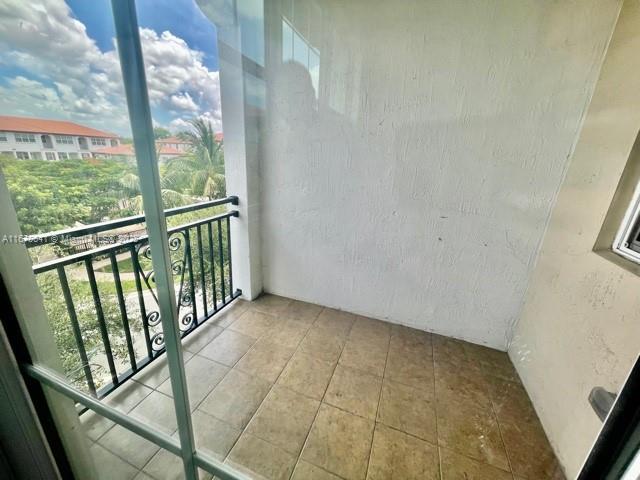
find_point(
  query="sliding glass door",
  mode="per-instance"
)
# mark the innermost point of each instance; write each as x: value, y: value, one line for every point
x: 108, y: 295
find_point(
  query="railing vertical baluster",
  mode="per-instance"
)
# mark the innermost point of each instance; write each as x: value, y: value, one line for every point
x: 77, y: 333
x: 101, y: 321
x: 221, y: 255
x: 143, y: 308
x: 123, y: 309
x: 213, y: 268
x: 192, y: 284
x: 231, y: 292
x: 144, y: 281
x: 203, y: 284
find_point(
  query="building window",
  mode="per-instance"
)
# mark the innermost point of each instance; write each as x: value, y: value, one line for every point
x: 25, y: 138
x: 36, y: 156
x: 9, y: 154
x: 86, y: 155
x: 98, y: 142
x: 50, y: 155
x: 73, y: 155
x: 23, y: 155
x: 64, y: 139
x: 3, y: 137
x: 63, y: 156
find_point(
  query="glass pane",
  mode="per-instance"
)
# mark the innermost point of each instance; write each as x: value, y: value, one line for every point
x: 199, y: 240
x: 287, y: 42
x: 68, y: 159
x: 120, y: 454
x: 300, y: 50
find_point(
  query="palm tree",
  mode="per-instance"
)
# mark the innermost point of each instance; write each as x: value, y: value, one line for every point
x: 202, y: 170
x: 131, y: 197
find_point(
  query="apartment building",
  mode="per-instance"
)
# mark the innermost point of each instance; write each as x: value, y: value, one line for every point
x: 174, y: 143
x: 37, y: 138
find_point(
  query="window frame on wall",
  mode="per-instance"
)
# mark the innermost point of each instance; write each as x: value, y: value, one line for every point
x: 627, y: 241
x: 50, y: 155
x: 98, y: 141
x: 25, y: 137
x: 618, y: 240
x: 64, y: 139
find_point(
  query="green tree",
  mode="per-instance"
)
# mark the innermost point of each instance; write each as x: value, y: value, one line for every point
x: 54, y: 195
x: 85, y: 309
x: 201, y: 171
x: 131, y: 196
x: 160, y: 132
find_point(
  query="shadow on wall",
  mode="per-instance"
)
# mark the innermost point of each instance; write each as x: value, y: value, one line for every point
x: 412, y: 153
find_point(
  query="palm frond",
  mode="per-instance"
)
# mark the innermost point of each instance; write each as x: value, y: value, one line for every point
x: 129, y: 184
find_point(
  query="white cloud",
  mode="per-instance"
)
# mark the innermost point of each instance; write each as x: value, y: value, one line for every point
x: 176, y: 78
x: 183, y: 102
x: 180, y: 124
x: 70, y: 77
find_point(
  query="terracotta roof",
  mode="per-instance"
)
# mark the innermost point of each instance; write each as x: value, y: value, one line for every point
x: 173, y: 140
x: 122, y: 149
x: 127, y: 150
x: 167, y: 150
x: 41, y: 125
x: 218, y: 137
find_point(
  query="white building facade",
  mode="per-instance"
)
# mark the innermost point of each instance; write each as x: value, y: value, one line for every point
x: 42, y: 139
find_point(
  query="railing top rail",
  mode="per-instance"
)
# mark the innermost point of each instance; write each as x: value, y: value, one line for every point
x: 78, y: 257
x: 53, y: 237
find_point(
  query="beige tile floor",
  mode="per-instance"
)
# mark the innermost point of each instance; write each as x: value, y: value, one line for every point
x: 281, y: 389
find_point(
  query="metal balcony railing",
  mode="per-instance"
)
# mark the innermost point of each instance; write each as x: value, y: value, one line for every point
x: 112, y: 307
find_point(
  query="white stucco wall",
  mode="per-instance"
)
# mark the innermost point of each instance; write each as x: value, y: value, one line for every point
x: 418, y: 189
x: 580, y: 325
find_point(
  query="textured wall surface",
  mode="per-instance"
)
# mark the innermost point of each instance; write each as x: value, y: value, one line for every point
x: 410, y: 175
x: 580, y: 325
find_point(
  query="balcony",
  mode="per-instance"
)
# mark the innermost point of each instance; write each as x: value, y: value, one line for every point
x: 285, y: 389
x: 413, y: 278
x: 278, y: 388
x: 114, y: 297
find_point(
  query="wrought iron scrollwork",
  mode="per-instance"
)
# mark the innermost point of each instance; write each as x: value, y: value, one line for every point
x: 153, y: 318
x: 157, y: 342
x: 186, y: 322
x: 177, y: 246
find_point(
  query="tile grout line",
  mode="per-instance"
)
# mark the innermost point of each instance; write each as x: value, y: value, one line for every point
x: 495, y: 415
x: 127, y: 413
x: 221, y: 379
x: 244, y: 429
x: 375, y: 420
x: 227, y: 373
x: 435, y: 410
x: 304, y: 444
x: 483, y: 375
x: 138, y: 470
x: 193, y: 409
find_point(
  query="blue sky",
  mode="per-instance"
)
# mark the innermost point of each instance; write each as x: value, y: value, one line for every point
x: 57, y: 60
x: 183, y: 18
